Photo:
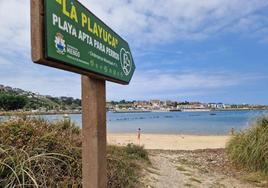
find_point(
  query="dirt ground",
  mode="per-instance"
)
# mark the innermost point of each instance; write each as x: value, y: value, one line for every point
x: 199, y: 168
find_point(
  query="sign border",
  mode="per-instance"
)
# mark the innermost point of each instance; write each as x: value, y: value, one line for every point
x: 39, y: 46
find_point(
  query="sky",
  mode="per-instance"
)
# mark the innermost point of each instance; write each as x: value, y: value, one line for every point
x: 205, y: 50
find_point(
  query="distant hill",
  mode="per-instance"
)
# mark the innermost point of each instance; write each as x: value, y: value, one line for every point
x: 18, y: 99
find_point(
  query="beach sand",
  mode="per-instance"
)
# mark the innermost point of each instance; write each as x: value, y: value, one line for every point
x: 169, y: 141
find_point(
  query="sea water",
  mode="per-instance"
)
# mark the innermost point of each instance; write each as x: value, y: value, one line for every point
x: 199, y: 123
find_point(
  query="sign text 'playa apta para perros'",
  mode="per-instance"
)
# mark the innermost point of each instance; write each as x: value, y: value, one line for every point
x: 76, y: 40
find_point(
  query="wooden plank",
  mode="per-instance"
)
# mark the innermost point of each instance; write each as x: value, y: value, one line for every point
x: 37, y: 29
x: 94, y: 168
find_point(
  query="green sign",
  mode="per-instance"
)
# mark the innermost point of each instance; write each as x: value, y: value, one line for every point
x: 76, y: 37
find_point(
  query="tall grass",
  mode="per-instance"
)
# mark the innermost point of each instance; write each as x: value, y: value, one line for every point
x: 21, y: 169
x: 36, y: 153
x: 249, y: 148
x: 124, y: 165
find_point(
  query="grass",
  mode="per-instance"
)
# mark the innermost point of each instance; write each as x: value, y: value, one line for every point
x: 189, y: 162
x: 187, y: 174
x: 153, y: 171
x: 125, y: 164
x: 249, y: 148
x: 22, y: 113
x: 256, y: 178
x: 195, y: 180
x: 188, y: 185
x: 218, y: 185
x: 181, y: 168
x: 193, y: 164
x: 36, y: 153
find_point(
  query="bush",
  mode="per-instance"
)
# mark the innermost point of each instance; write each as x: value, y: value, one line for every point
x: 34, y: 153
x: 12, y: 102
x: 249, y: 148
x: 124, y: 165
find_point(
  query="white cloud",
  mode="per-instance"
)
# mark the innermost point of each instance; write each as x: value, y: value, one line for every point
x: 149, y: 84
x: 161, y: 84
x: 45, y: 83
x: 144, y: 23
x: 158, y: 21
x: 4, y: 61
x: 15, y: 26
x: 26, y: 75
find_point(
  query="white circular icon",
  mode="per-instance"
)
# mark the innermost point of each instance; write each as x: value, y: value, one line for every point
x: 126, y: 61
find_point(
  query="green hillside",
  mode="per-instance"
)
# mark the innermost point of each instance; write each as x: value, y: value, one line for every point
x: 12, y: 99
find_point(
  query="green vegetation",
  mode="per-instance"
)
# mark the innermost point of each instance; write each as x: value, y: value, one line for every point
x: 249, y: 149
x: 256, y: 178
x: 188, y: 185
x: 11, y: 102
x: 34, y: 152
x: 181, y: 168
x: 125, y: 164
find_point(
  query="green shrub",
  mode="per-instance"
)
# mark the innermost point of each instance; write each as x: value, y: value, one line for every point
x: 36, y: 153
x: 124, y: 165
x: 249, y: 148
x: 136, y: 152
x: 12, y: 102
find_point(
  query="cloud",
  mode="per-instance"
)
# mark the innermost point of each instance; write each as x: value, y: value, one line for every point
x: 4, y: 62
x: 253, y: 26
x: 46, y: 84
x: 162, y: 84
x: 15, y: 26
x: 22, y: 73
x: 159, y: 21
x: 146, y: 24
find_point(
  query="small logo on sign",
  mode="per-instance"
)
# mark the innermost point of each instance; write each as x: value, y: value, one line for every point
x: 60, y: 44
x: 126, y: 61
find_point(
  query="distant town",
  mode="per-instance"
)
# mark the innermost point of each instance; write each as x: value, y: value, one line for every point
x: 15, y: 99
x: 169, y: 106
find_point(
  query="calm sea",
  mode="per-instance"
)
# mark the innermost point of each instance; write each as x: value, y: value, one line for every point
x: 201, y: 123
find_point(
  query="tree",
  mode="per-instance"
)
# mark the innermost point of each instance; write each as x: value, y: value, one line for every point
x: 10, y: 102
x: 122, y: 102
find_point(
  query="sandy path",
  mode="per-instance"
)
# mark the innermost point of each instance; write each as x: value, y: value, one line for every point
x: 168, y: 172
x: 169, y: 142
x: 180, y: 161
x: 164, y: 173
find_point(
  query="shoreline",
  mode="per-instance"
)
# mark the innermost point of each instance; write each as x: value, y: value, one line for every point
x: 169, y: 141
x: 187, y: 110
x: 167, y: 133
x: 12, y: 113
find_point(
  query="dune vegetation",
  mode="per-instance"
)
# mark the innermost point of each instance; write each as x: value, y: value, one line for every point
x: 248, y: 149
x: 37, y: 153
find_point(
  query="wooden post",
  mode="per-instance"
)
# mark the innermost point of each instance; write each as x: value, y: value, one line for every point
x: 93, y: 89
x: 94, y: 162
